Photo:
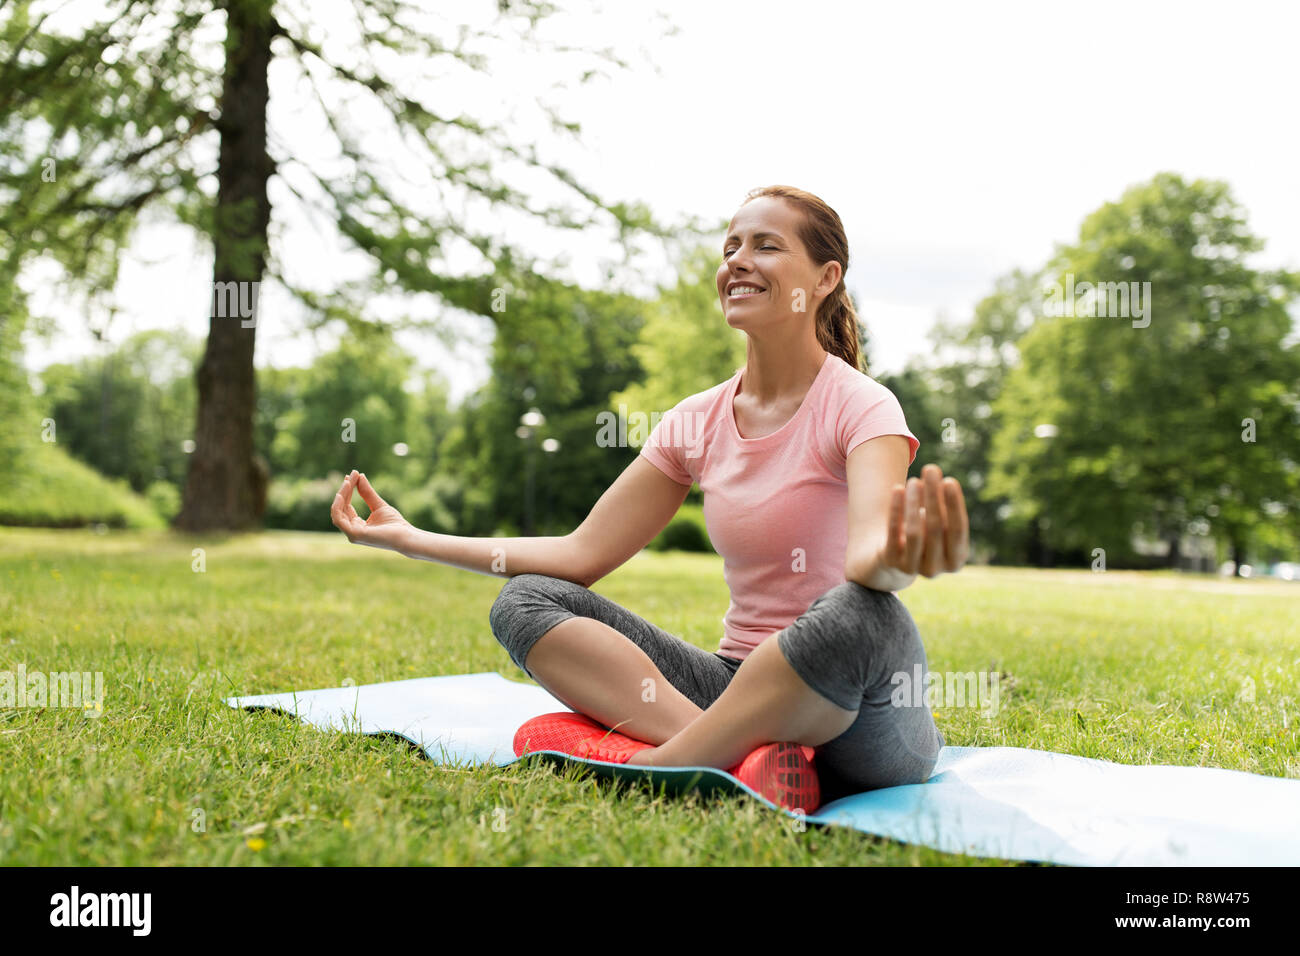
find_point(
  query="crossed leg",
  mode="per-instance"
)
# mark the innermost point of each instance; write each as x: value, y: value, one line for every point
x: 596, y: 671
x: 604, y: 661
x: 824, y: 681
x: 766, y: 701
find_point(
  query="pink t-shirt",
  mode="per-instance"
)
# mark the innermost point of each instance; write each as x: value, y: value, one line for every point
x: 776, y: 507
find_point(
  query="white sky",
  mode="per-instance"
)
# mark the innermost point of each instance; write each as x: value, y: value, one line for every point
x: 956, y: 141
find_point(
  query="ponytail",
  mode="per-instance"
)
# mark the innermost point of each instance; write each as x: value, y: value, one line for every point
x: 837, y: 327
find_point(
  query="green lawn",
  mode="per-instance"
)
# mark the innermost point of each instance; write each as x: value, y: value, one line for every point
x: 1133, y: 668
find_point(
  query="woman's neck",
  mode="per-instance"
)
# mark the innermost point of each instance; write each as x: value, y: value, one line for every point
x: 777, y: 369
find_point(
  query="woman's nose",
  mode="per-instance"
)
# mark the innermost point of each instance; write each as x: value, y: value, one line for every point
x: 739, y: 264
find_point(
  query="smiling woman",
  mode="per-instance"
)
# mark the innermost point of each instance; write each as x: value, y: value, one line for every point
x: 802, y: 460
x: 797, y: 218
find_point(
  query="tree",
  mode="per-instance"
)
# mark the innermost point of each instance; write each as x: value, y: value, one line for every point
x: 1150, y: 376
x: 17, y: 417
x: 686, y: 345
x: 484, y: 451
x: 126, y: 115
x: 127, y: 413
x: 951, y: 403
x: 351, y: 409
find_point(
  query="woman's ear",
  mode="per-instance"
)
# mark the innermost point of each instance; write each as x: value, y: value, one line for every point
x: 830, y: 278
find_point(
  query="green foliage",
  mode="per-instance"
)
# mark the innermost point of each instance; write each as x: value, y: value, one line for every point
x: 431, y: 506
x: 1150, y: 419
x: 302, y: 504
x: 165, y: 499
x: 537, y: 334
x: 122, y: 115
x: 686, y: 345
x: 18, y: 418
x: 44, y: 485
x: 127, y: 413
x: 348, y: 410
x: 50, y: 488
x: 950, y: 405
x: 685, y: 532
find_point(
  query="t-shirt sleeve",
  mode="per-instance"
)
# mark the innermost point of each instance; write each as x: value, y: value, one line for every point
x: 663, y: 452
x: 869, y: 411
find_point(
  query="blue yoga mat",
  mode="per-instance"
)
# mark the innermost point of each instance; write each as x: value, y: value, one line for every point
x: 1005, y: 802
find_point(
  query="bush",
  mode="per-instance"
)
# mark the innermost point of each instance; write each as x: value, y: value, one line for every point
x: 165, y: 498
x: 51, y: 489
x: 686, y: 532
x: 430, y: 507
x: 302, y: 504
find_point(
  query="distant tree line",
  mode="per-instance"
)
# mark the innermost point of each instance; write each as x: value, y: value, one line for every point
x: 1073, y: 430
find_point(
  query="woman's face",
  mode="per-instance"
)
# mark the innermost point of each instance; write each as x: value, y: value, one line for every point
x: 766, y: 276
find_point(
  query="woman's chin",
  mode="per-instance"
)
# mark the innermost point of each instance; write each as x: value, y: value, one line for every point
x: 744, y: 323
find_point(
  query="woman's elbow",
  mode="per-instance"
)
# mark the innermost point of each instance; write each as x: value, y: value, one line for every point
x: 581, y: 563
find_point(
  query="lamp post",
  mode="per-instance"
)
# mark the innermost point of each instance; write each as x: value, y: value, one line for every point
x: 1046, y: 432
x: 529, y: 422
x: 549, y: 446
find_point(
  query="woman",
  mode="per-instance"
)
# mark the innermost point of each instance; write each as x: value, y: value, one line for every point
x: 802, y: 460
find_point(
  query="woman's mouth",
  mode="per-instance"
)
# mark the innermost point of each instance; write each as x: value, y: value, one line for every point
x: 744, y: 291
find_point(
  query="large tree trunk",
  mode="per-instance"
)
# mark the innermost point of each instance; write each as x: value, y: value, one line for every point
x: 226, y: 486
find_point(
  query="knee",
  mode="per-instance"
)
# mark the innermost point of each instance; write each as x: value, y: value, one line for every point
x: 869, y: 625
x: 516, y: 593
x: 526, y: 598
x: 879, y: 613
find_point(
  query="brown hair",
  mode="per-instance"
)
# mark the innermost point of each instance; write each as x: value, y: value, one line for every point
x: 822, y: 234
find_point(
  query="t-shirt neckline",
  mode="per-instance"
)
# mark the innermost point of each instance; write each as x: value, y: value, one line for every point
x: 789, y: 425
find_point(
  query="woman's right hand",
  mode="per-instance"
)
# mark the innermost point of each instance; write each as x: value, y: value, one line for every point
x: 384, y: 528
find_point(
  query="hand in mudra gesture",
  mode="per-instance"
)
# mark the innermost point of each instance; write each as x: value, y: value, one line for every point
x: 929, y: 532
x: 384, y: 527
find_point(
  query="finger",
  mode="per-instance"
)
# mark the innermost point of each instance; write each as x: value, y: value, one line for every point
x: 894, y: 537
x: 345, y: 494
x: 339, y: 514
x: 913, y: 527
x: 368, y: 494
x: 932, y: 559
x: 957, y: 543
x: 341, y: 494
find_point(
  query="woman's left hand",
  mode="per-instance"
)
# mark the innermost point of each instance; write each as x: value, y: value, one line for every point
x: 929, y: 532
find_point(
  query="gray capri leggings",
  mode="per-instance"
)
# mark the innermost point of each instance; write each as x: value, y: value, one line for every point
x: 846, y: 647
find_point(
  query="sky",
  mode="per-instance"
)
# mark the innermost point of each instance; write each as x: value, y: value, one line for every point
x: 957, y: 141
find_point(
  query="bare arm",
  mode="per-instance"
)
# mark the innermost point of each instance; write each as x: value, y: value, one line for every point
x: 635, y: 508
x: 899, y: 527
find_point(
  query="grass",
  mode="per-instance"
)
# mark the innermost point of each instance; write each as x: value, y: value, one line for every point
x: 1135, y: 668
x: 44, y: 486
